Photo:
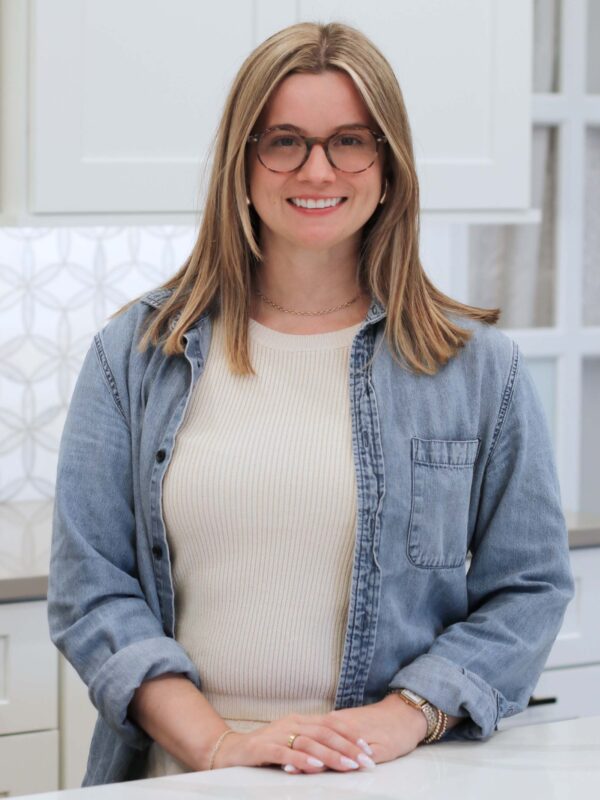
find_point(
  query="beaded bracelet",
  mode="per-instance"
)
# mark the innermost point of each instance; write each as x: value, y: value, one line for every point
x: 216, y: 747
x: 440, y: 728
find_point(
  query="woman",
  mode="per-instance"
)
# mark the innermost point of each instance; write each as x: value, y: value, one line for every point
x: 267, y: 566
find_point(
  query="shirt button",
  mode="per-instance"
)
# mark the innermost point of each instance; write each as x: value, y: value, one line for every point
x: 161, y: 455
x: 157, y: 551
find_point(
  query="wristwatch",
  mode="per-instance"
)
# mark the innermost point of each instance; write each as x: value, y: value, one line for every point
x: 437, y: 719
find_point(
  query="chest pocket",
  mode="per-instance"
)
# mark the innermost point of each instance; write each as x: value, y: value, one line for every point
x: 442, y: 473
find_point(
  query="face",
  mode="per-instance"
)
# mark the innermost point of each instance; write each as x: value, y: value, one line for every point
x: 317, y: 104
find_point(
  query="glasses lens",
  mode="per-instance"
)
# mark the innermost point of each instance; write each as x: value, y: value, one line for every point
x: 353, y: 150
x: 281, y: 150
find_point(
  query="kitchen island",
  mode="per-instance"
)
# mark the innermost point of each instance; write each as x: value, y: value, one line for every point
x: 554, y: 760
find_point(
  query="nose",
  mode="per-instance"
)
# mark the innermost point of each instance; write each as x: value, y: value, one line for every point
x: 317, y: 166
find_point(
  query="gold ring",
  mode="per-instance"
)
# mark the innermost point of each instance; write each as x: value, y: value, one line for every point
x: 291, y: 738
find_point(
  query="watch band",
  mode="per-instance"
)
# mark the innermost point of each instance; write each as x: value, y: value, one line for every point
x: 437, y: 720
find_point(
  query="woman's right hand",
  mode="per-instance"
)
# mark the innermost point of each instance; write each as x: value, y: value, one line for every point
x: 316, y: 748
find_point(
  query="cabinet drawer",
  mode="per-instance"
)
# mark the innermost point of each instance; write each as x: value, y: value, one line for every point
x: 28, y: 669
x: 578, y: 641
x: 567, y: 694
x: 28, y: 763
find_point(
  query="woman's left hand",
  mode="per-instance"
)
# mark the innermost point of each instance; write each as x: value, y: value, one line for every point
x: 390, y: 727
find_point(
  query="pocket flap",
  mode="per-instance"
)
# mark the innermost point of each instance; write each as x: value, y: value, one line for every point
x: 445, y: 452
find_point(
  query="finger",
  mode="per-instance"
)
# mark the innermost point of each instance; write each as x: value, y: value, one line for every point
x: 295, y: 759
x: 333, y: 750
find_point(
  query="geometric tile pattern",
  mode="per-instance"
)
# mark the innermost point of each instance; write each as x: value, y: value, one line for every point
x: 57, y: 288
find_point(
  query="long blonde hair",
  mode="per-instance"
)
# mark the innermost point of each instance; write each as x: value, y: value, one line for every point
x: 217, y: 275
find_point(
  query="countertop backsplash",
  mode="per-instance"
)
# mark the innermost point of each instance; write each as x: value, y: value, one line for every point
x: 57, y: 289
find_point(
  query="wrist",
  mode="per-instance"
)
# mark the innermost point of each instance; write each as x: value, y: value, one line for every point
x: 223, y: 753
x: 413, y: 718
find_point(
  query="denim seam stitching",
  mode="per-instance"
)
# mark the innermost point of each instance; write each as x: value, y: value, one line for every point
x: 108, y: 376
x: 506, y: 400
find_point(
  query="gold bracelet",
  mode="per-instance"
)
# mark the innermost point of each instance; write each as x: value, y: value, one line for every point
x: 440, y: 728
x: 216, y: 747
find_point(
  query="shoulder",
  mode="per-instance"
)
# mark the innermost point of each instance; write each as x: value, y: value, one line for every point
x: 122, y: 332
x: 489, y: 350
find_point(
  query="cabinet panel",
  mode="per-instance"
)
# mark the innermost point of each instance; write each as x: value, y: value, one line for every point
x: 28, y: 669
x: 465, y: 73
x: 28, y: 763
x: 578, y: 641
x: 561, y: 694
x: 125, y: 98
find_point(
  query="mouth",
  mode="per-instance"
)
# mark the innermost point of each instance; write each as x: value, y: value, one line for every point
x: 316, y: 205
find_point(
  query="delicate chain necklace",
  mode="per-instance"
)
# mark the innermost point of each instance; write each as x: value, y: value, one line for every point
x: 307, y: 313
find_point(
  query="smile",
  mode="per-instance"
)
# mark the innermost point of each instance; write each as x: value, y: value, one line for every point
x: 328, y: 202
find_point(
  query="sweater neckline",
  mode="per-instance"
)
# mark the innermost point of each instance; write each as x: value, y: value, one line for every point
x: 267, y: 337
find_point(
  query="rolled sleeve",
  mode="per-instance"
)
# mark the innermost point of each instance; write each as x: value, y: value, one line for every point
x: 114, y: 684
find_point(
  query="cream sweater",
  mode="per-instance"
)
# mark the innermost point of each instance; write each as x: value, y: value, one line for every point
x: 260, y: 506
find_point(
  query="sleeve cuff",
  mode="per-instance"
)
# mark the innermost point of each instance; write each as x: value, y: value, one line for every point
x: 113, y: 686
x: 456, y: 691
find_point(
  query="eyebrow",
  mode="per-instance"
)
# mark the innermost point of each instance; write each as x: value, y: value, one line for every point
x: 289, y: 126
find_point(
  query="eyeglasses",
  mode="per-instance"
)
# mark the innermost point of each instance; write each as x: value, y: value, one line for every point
x: 352, y: 149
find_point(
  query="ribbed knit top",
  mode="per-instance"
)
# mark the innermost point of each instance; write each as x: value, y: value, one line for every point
x: 259, y: 502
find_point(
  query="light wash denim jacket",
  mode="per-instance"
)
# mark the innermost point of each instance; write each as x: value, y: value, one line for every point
x: 445, y: 464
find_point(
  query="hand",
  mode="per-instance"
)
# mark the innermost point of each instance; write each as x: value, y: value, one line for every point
x: 391, y: 727
x: 324, y: 741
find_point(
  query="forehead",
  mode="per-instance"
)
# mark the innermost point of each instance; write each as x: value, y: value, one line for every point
x: 316, y: 103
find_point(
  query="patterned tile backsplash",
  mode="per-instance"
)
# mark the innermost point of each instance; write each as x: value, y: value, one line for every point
x: 57, y: 288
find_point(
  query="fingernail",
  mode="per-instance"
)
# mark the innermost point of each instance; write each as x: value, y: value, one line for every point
x: 366, y: 761
x: 290, y: 768
x: 365, y: 746
x: 347, y: 762
x: 314, y: 762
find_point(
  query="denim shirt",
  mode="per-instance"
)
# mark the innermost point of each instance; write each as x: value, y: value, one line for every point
x: 450, y: 467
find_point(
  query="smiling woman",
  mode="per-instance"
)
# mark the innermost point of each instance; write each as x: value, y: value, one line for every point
x: 274, y: 464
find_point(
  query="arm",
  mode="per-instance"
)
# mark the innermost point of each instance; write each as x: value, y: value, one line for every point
x: 98, y: 614
x: 519, y: 582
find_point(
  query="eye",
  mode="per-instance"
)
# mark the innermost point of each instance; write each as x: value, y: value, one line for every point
x: 281, y: 141
x: 352, y: 139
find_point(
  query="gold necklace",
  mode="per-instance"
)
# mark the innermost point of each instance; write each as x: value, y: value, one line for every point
x: 307, y: 313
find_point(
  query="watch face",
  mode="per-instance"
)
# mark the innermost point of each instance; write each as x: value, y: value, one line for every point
x: 414, y: 698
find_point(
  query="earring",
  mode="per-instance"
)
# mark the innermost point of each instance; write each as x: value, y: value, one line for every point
x: 384, y: 193
x: 248, y: 201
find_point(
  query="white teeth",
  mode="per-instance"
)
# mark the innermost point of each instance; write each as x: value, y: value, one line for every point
x: 333, y: 201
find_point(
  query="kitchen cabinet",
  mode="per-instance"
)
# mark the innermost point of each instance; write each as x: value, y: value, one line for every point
x: 28, y: 701
x: 568, y: 686
x: 110, y: 108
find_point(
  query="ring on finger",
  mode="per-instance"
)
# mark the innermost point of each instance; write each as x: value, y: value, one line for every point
x: 291, y: 738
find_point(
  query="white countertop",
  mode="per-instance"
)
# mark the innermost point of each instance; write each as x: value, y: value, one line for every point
x: 552, y: 761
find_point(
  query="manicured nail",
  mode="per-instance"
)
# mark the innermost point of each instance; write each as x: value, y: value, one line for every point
x: 366, y: 761
x: 290, y: 768
x: 314, y: 762
x: 347, y: 762
x: 365, y: 746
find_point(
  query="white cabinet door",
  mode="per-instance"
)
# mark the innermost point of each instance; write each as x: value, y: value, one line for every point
x: 28, y: 763
x: 28, y: 669
x: 578, y: 641
x: 125, y: 97
x: 561, y: 694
